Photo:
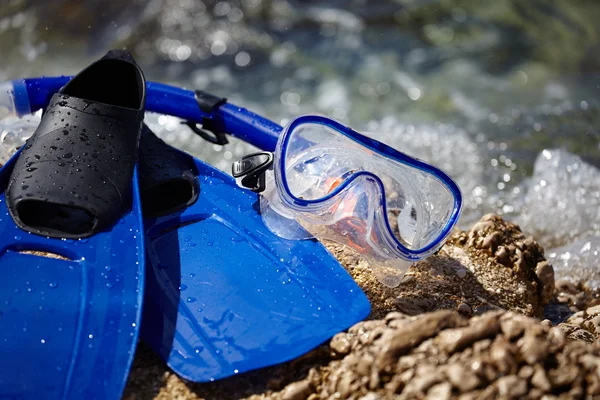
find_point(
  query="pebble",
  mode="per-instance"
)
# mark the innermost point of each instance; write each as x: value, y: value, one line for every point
x: 344, y: 386
x: 593, y: 311
x: 545, y: 274
x: 441, y: 391
x: 412, y: 334
x: 462, y: 378
x: 582, y: 334
x: 564, y: 285
x: 297, y: 391
x: 502, y: 256
x: 540, y: 380
x: 408, y: 306
x: 533, y: 349
x: 370, y: 396
x: 547, y: 323
x: 567, y: 375
x: 526, y: 372
x: 464, y: 309
x: 514, y: 328
x: 340, y: 344
x: 511, y: 386
x: 452, y: 340
x: 491, y: 241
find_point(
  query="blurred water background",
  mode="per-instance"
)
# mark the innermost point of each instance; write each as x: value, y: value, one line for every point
x: 504, y: 95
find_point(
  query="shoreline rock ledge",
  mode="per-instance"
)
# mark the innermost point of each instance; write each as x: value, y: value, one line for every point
x: 442, y: 355
x: 492, y: 266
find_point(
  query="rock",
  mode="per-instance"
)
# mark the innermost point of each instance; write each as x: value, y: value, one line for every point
x: 412, y: 306
x: 297, y: 391
x: 370, y: 396
x: 575, y: 328
x: 434, y: 355
x: 515, y: 326
x: 506, y: 263
x: 461, y: 273
x: 399, y: 342
x: 565, y: 285
x: 511, y: 386
x: 426, y: 376
x: 464, y: 309
x: 441, y: 391
x: 547, y: 323
x: 340, y: 345
x: 502, y: 357
x: 583, y: 325
x: 533, y: 348
x: 571, y: 302
x: 491, y: 241
x: 566, y: 376
x: 452, y: 340
x: 345, y: 384
x: 461, y: 378
x: 545, y: 274
x: 453, y: 357
x: 468, y: 269
x: 526, y: 372
x: 540, y: 380
x: 593, y: 311
x: 581, y: 334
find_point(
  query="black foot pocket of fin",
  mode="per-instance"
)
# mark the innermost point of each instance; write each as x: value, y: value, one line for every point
x: 168, y: 177
x: 74, y: 176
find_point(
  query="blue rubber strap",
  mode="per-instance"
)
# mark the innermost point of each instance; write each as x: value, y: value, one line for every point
x: 21, y: 99
x: 165, y: 99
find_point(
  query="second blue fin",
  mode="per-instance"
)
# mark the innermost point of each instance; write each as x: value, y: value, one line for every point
x: 225, y: 295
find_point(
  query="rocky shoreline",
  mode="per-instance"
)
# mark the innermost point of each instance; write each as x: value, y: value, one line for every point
x: 474, y: 321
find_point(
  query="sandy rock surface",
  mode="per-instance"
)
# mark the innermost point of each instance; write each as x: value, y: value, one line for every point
x: 491, y: 266
x: 458, y: 326
x: 442, y: 355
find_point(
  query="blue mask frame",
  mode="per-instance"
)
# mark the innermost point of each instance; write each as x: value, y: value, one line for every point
x: 386, y: 151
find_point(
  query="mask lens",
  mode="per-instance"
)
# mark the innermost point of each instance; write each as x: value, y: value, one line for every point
x: 313, y: 170
x: 415, y: 204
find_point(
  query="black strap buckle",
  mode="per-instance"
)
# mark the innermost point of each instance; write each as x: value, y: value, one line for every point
x: 252, y: 169
x: 207, y: 133
x: 208, y: 103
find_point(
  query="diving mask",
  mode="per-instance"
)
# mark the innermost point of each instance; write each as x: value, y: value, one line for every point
x: 328, y: 181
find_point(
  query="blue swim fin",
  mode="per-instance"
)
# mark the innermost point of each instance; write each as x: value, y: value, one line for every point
x: 71, y: 246
x: 224, y: 295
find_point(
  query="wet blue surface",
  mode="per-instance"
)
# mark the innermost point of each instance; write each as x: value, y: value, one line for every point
x: 69, y: 328
x: 234, y: 296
